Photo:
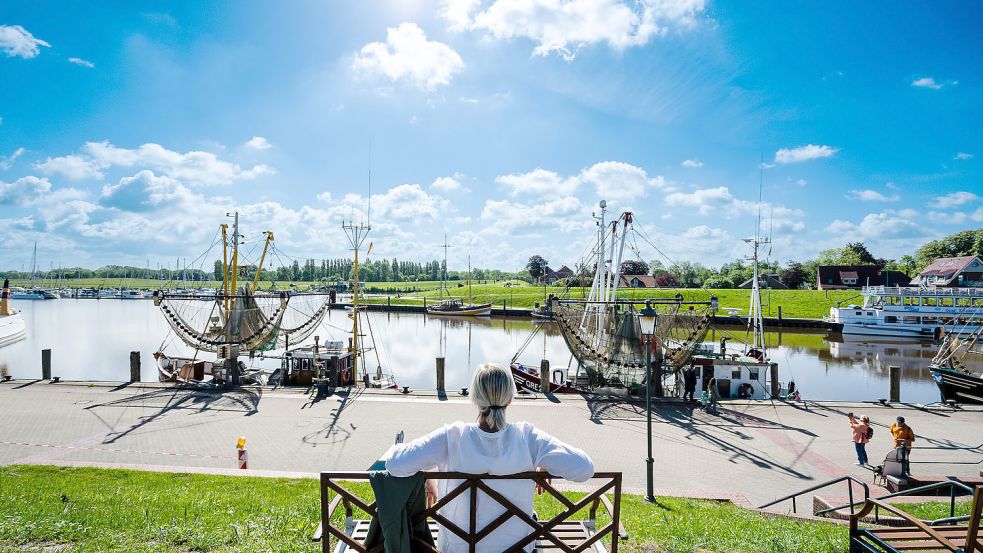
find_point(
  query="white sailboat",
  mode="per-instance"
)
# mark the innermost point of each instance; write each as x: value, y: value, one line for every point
x: 452, y: 305
x: 12, y: 326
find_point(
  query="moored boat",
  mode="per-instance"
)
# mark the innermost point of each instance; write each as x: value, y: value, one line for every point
x: 12, y: 326
x: 958, y: 368
x: 455, y: 306
x: 912, y: 311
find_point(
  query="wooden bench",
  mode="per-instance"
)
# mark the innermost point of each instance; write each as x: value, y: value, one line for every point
x: 559, y: 533
x: 917, y: 535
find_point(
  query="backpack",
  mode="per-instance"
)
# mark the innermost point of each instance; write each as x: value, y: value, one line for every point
x: 870, y: 432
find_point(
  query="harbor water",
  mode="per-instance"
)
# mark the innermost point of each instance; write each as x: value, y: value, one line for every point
x: 92, y: 340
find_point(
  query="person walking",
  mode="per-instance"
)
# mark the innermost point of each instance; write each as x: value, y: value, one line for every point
x: 903, y: 436
x: 861, y: 435
x: 689, y: 382
x: 713, y: 396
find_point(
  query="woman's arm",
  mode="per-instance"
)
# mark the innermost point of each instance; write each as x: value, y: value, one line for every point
x: 420, y: 454
x: 560, y: 459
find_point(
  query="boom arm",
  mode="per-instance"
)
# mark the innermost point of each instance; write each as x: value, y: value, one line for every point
x: 259, y: 269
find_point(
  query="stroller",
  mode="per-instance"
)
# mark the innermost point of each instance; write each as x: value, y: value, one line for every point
x: 895, y: 464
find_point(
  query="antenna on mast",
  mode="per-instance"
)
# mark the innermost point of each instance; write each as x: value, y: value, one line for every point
x: 368, y: 218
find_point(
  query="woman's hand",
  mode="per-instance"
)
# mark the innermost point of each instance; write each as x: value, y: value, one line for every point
x: 539, y: 488
x: 431, y: 487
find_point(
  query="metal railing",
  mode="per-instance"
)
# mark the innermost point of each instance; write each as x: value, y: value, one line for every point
x: 848, y: 479
x: 952, y: 485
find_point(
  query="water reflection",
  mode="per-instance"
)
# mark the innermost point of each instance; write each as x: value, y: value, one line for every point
x: 92, y: 339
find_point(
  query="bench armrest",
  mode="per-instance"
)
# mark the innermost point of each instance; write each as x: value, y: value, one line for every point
x: 603, y: 499
x: 331, y: 509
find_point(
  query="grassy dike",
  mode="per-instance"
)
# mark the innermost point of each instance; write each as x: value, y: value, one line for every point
x: 802, y: 304
x: 48, y: 508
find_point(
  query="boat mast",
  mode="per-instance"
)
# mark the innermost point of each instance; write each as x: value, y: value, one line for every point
x: 356, y: 237
x: 34, y: 264
x: 443, y: 272
x: 599, y: 271
x: 755, y: 320
x: 469, y: 285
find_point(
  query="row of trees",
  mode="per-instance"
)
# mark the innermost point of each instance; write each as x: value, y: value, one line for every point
x: 794, y: 274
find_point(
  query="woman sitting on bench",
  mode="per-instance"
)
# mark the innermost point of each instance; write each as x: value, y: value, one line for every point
x: 490, y: 445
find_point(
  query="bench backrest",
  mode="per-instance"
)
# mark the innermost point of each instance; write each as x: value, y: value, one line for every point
x: 541, y: 530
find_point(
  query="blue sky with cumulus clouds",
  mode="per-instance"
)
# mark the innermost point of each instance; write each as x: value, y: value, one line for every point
x: 129, y: 130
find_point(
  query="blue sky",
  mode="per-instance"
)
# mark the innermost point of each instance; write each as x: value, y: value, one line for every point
x: 128, y: 130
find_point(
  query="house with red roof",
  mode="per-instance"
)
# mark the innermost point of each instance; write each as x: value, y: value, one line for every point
x: 951, y: 272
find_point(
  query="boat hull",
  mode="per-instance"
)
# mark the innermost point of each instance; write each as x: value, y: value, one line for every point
x: 12, y: 329
x: 524, y: 379
x: 958, y: 386
x: 467, y: 311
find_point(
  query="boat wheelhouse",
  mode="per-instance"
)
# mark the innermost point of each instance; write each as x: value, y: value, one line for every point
x: 912, y: 311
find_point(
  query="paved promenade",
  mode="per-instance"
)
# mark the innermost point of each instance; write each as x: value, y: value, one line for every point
x: 761, y: 450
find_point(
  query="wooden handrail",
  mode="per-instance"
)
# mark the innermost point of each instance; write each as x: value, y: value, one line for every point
x: 931, y: 532
x: 973, y: 531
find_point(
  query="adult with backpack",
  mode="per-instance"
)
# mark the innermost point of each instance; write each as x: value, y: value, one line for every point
x: 862, y: 433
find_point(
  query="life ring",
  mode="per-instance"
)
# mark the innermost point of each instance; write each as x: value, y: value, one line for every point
x: 744, y: 391
x: 346, y: 377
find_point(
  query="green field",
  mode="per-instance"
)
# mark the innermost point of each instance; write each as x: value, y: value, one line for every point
x: 804, y: 304
x: 45, y: 508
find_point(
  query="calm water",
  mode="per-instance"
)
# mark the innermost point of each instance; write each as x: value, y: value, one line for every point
x: 92, y: 339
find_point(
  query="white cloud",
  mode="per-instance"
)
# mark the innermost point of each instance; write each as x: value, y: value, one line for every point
x: 927, y: 82
x: 472, y: 101
x: 258, y: 143
x: 446, y: 184
x: 614, y: 180
x: 8, y: 162
x: 16, y: 41
x: 541, y: 182
x: 692, y: 163
x: 868, y: 195
x: 73, y: 167
x: 408, y: 55
x: 801, y: 182
x: 564, y: 214
x: 82, y: 62
x: 193, y: 167
x: 719, y: 202
x: 879, y: 226
x: 804, y: 153
x: 23, y: 191
x: 705, y: 200
x: 963, y: 155
x: 403, y: 203
x: 954, y: 199
x: 948, y: 217
x: 564, y: 27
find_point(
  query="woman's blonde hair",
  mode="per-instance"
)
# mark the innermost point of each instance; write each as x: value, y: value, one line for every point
x: 865, y: 418
x: 492, y: 389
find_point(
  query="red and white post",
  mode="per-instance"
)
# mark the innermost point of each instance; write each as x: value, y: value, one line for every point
x: 243, y: 455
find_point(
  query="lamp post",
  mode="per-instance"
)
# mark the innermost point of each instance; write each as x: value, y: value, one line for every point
x: 647, y: 318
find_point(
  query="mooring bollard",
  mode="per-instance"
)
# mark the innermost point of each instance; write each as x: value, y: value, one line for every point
x: 775, y: 384
x: 46, y: 364
x: 440, y: 373
x: 894, y: 377
x: 779, y: 315
x: 134, y: 366
x: 544, y: 376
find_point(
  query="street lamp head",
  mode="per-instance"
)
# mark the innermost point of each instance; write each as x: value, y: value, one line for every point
x: 647, y: 319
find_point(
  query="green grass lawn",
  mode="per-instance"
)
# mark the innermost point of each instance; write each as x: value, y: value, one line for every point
x: 119, y: 510
x: 804, y: 304
x: 934, y: 510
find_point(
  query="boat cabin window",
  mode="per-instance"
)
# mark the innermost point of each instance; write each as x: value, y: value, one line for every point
x: 929, y: 320
x: 736, y: 373
x: 962, y: 302
x: 946, y: 321
x: 870, y: 313
x: 890, y: 319
x: 912, y: 320
x: 895, y: 300
x: 752, y: 373
x: 910, y: 301
x: 929, y: 302
x: 860, y: 312
x: 945, y: 302
x: 697, y: 370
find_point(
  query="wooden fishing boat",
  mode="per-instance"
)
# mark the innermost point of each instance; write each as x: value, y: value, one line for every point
x: 455, y: 306
x: 958, y: 368
x: 528, y: 378
x: 958, y: 386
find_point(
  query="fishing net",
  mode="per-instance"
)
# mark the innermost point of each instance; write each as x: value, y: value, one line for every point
x: 246, y: 321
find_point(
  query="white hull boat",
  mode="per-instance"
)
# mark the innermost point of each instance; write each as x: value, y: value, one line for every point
x: 912, y: 312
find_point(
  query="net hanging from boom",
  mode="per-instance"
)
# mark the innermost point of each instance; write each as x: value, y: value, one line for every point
x: 247, y: 321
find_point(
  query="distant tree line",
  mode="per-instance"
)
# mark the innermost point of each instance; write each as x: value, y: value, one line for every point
x: 793, y: 274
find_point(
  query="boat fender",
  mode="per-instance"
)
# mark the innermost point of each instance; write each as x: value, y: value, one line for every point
x: 744, y: 391
x: 346, y: 377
